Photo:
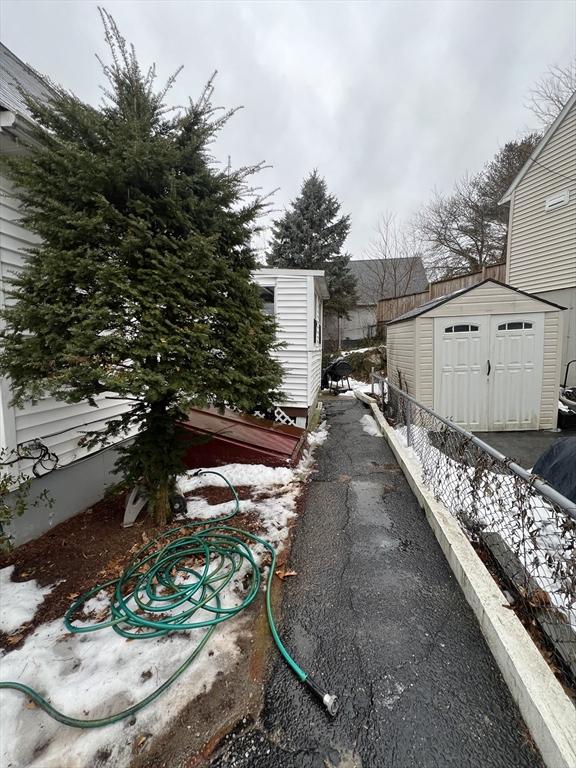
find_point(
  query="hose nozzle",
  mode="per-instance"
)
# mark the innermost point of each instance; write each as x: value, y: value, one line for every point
x: 329, y: 700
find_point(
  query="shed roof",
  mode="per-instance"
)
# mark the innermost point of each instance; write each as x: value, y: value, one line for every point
x: 438, y: 301
x: 387, y: 278
x: 15, y: 74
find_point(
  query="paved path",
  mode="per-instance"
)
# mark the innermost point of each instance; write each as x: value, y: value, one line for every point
x: 376, y: 616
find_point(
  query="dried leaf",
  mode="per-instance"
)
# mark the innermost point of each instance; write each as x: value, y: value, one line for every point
x: 14, y: 639
x: 284, y: 574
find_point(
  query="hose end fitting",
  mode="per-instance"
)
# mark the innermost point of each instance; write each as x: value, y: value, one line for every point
x: 329, y: 700
x: 331, y: 703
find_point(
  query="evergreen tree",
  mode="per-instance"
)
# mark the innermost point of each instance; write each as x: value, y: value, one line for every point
x: 141, y: 282
x: 310, y: 235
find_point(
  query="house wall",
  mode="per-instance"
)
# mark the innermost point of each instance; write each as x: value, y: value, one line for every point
x: 541, y: 243
x: 57, y: 424
x: 72, y: 489
x: 400, y: 344
x: 353, y: 328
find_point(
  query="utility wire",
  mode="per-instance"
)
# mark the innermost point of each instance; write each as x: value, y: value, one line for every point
x: 551, y: 170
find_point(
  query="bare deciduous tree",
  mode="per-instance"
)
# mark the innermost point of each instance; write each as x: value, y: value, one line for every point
x: 392, y: 260
x: 549, y: 95
x: 460, y: 235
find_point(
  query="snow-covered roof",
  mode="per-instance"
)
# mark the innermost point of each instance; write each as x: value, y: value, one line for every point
x: 543, y: 142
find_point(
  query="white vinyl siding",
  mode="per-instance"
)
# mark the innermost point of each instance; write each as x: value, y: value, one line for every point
x: 295, y: 300
x: 56, y: 423
x: 542, y: 243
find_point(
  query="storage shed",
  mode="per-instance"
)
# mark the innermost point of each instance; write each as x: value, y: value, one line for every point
x: 487, y: 357
x: 295, y: 297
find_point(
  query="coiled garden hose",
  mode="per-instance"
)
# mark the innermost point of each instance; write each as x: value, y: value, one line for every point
x: 209, y: 555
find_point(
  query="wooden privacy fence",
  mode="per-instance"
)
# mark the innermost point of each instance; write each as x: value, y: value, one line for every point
x: 388, y: 309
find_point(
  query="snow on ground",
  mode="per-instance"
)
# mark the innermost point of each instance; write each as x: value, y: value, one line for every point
x: 347, y: 352
x: 354, y: 384
x: 370, y: 426
x: 495, y: 502
x: 19, y: 600
x: 100, y: 673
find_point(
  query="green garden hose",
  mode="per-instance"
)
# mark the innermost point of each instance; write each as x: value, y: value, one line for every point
x: 208, y: 555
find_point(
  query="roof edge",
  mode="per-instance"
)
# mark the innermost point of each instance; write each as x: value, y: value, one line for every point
x: 551, y: 130
x: 463, y: 291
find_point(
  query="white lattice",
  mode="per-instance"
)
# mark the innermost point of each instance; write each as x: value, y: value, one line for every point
x: 279, y: 416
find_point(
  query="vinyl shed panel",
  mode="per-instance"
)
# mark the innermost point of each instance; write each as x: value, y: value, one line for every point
x: 400, y: 340
x: 488, y: 299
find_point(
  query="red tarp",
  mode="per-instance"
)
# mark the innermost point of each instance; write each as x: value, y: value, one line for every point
x: 230, y: 437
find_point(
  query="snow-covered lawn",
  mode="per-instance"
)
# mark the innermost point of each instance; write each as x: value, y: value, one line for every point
x: 97, y: 674
x: 540, y: 536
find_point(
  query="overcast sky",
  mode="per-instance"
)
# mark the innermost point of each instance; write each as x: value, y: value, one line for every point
x: 387, y: 99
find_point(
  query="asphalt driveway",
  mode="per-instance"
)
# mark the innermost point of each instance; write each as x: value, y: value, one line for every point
x: 376, y: 616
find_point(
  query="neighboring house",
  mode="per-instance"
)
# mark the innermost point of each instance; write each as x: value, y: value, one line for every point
x: 542, y: 225
x: 82, y: 475
x: 376, y: 279
x: 295, y: 297
x: 484, y: 357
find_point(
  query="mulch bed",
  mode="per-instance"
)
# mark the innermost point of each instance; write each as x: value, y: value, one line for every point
x: 91, y: 548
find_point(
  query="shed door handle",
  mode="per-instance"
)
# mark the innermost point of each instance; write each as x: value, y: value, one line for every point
x: 489, y: 368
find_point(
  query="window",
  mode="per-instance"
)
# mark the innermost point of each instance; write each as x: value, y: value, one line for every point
x: 267, y: 298
x: 317, y: 320
x: 517, y: 325
x: 460, y: 328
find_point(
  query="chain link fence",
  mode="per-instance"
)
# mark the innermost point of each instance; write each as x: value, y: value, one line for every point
x: 524, y: 529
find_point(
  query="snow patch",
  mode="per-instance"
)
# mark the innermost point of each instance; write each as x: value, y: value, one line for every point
x: 19, y: 600
x: 370, y: 426
x: 97, y: 674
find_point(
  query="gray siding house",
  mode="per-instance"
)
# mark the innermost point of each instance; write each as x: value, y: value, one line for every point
x: 542, y: 226
x: 376, y: 279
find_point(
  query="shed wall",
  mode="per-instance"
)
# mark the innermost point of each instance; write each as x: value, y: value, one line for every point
x: 400, y: 343
x: 292, y: 316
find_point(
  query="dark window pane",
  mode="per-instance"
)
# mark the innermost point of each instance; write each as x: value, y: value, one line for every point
x: 267, y: 298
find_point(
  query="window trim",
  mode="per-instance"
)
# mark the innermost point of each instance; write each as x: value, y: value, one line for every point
x: 462, y: 328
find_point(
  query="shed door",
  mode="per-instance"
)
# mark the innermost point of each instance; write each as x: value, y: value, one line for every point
x: 460, y: 385
x: 488, y: 371
x: 515, y: 380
